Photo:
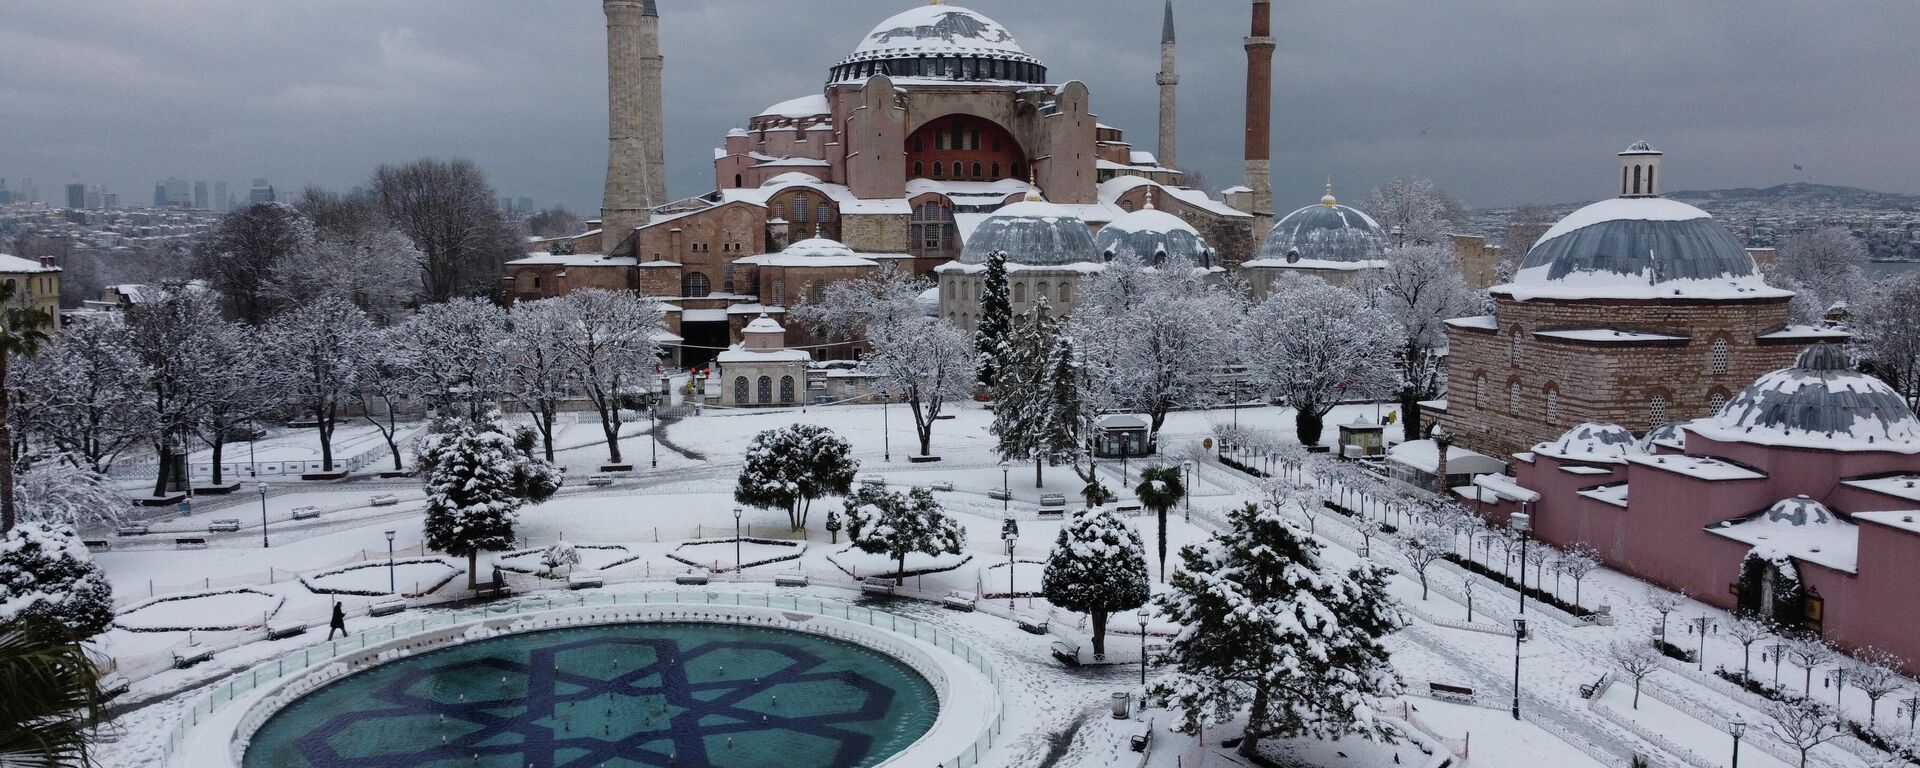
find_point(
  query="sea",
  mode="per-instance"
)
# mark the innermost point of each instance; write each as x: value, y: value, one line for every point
x: 1877, y: 270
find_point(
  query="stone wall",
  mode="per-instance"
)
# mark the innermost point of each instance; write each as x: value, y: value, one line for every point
x: 884, y: 233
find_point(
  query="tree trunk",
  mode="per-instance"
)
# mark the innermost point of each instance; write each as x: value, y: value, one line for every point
x: 1163, y: 544
x: 1423, y: 584
x: 1036, y: 473
x: 924, y: 424
x: 1250, y: 739
x: 900, y: 571
x: 610, y: 424
x: 323, y: 418
x: 547, y: 409
x: 473, y: 571
x: 1099, y: 634
x: 1410, y: 417
x: 6, y: 451
x: 1636, y: 693
x: 219, y: 450
x: 165, y: 451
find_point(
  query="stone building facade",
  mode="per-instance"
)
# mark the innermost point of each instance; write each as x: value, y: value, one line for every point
x: 35, y: 283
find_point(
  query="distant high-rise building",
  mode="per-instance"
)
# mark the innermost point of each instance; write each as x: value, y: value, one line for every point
x: 76, y: 195
x: 179, y: 193
x: 221, y: 202
x: 93, y: 195
x: 506, y: 204
x: 159, y: 194
x: 6, y: 195
x: 200, y: 199
x: 262, y: 192
x: 109, y: 200
x: 525, y: 205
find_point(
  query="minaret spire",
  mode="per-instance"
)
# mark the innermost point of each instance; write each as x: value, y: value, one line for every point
x: 1259, y: 149
x: 1169, y: 81
x: 636, y: 155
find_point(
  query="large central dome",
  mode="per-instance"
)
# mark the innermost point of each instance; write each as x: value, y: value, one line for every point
x: 940, y: 42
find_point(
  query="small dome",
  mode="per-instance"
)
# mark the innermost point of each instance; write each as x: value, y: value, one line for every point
x: 790, y: 177
x: 1818, y: 403
x: 1034, y: 234
x: 1671, y: 434
x: 1326, y: 231
x: 1799, y: 511
x: 815, y: 247
x: 943, y: 42
x: 1592, y: 441
x: 1153, y: 236
x: 763, y: 324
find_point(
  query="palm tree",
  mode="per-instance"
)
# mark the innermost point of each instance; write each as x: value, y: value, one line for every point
x: 1159, y: 490
x: 53, y: 700
x: 22, y: 330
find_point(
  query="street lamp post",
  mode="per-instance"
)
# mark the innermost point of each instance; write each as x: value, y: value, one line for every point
x: 736, y: 541
x: 1738, y: 728
x: 1006, y: 493
x: 1702, y: 625
x: 886, y: 428
x: 653, y: 430
x: 1142, y: 616
x: 1010, y: 532
x: 263, y: 516
x: 1522, y: 524
x: 1188, y: 466
x: 391, y: 587
x: 1519, y: 636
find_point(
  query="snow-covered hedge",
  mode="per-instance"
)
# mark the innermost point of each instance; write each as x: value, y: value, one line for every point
x: 851, y: 553
x: 309, y: 579
x: 799, y: 548
x: 987, y: 579
x: 536, y: 552
x: 215, y: 621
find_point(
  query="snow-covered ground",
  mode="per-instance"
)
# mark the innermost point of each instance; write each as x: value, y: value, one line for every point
x: 1056, y: 714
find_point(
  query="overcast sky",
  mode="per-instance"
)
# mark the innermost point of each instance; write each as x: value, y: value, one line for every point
x: 1500, y: 101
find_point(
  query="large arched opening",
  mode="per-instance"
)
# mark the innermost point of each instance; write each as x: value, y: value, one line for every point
x: 964, y: 148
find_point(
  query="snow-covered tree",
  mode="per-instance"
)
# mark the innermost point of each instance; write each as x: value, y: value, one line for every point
x: 1807, y: 651
x: 788, y: 468
x: 453, y: 350
x: 1037, y: 407
x: 1421, y: 288
x: 996, y: 318
x: 1876, y: 673
x: 1887, y: 334
x: 376, y: 268
x: 1746, y: 631
x: 852, y: 309
x: 1423, y: 547
x: 1156, y: 338
x: 1635, y: 659
x: 83, y: 392
x: 534, y: 360
x: 45, y: 573
x: 927, y: 361
x: 247, y: 254
x: 1414, y: 212
x: 60, y: 493
x: 1269, y: 630
x: 1803, y: 724
x: 560, y: 555
x: 1825, y: 267
x: 23, y: 330
x: 1098, y: 567
x: 1160, y: 488
x: 1315, y: 345
x: 391, y: 381
x: 179, y: 338
x: 612, y: 346
x: 882, y: 522
x: 1661, y: 601
x: 317, y: 355
x: 1578, y: 561
x: 236, y: 391
x: 473, y: 494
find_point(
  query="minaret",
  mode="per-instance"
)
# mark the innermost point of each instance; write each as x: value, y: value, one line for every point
x: 1169, y: 80
x: 1260, y: 116
x: 636, y: 158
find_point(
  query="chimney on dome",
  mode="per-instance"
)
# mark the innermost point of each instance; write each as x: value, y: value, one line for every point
x: 1640, y: 171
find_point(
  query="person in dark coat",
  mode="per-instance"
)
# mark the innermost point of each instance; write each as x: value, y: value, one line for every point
x: 339, y: 623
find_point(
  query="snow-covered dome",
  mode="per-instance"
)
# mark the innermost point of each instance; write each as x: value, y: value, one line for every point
x: 1592, y: 441
x: 818, y: 247
x: 1033, y: 233
x: 805, y: 106
x: 1821, y: 402
x: 1326, y: 231
x: 1669, y: 435
x: 944, y: 42
x: 1153, y: 236
x: 790, y: 177
x: 764, y: 324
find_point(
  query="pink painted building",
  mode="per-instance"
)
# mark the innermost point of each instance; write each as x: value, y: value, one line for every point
x: 1798, y: 500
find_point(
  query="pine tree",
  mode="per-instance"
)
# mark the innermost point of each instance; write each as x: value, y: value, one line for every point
x: 45, y: 574
x: 473, y: 494
x: 1098, y: 567
x: 996, y: 318
x: 789, y: 467
x: 1037, y: 408
x: 896, y: 525
x: 1267, y: 629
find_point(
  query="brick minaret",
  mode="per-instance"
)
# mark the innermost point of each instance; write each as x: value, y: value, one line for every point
x: 1169, y: 80
x: 636, y: 157
x: 1260, y: 116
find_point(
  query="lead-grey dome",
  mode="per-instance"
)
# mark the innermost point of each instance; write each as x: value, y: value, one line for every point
x: 940, y: 42
x: 1638, y: 247
x: 1153, y: 236
x: 1328, y: 232
x: 1818, y: 403
x: 1034, y: 234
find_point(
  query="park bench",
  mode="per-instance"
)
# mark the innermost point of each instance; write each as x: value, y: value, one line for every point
x: 97, y: 545
x: 281, y: 630
x: 115, y: 687
x: 874, y: 481
x: 1000, y: 494
x: 387, y: 607
x: 224, y: 526
x: 306, y: 513
x: 585, y: 581
x: 1451, y: 692
x: 791, y: 579
x: 384, y: 500
x: 959, y: 601
x: 131, y: 530
x: 1032, y: 622
x: 943, y: 485
x: 1067, y: 653
x: 182, y: 661
x: 599, y: 480
x: 692, y: 578
x: 1132, y: 507
x: 1139, y: 742
x: 874, y: 585
x: 1594, y: 688
x: 1053, y: 507
x: 190, y: 542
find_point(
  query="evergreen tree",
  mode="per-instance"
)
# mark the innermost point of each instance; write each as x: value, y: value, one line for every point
x: 789, y: 467
x: 896, y: 525
x: 46, y: 575
x: 1268, y: 630
x: 1098, y: 567
x: 474, y: 493
x: 1037, y: 408
x: 996, y: 318
x: 1159, y: 489
x: 53, y: 705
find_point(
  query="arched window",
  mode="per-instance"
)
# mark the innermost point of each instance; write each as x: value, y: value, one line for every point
x: 957, y: 170
x: 738, y: 181
x: 1040, y: 291
x: 1513, y: 346
x: 939, y: 170
x: 816, y: 293
x: 1657, y: 412
x: 1722, y: 355
x: 919, y: 143
x: 824, y: 213
x: 800, y: 214
x: 1066, y: 292
x: 779, y: 211
x: 919, y: 169
x: 1019, y: 170
x: 1553, y: 406
x: 996, y: 168
x: 740, y: 390
x: 1019, y: 293
x: 1480, y: 391
x: 976, y: 169
x: 1513, y: 398
x: 766, y: 389
x: 695, y: 286
x: 1636, y: 181
x: 786, y: 389
x: 976, y: 139
x: 1716, y: 401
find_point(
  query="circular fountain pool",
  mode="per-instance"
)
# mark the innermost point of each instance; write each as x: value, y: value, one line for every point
x: 646, y: 694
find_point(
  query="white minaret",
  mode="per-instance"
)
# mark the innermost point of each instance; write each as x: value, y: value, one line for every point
x: 1169, y: 81
x: 636, y: 156
x: 1640, y: 171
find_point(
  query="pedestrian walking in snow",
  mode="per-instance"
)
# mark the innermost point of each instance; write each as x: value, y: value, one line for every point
x: 339, y: 623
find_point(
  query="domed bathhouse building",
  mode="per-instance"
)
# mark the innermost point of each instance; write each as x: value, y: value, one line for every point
x: 1049, y: 252
x: 1154, y: 237
x: 1636, y: 311
x: 1797, y: 499
x: 1328, y: 240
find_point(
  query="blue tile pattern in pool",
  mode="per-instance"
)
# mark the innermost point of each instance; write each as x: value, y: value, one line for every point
x: 687, y: 695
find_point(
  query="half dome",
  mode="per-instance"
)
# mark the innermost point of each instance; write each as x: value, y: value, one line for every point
x: 942, y: 42
x: 1153, y: 236
x: 1639, y: 248
x: 1818, y: 403
x: 1324, y: 232
x: 1034, y: 234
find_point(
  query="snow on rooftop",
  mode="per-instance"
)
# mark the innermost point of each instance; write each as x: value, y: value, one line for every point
x: 1800, y: 528
x: 1819, y: 403
x: 1615, y: 494
x: 1592, y: 442
x: 805, y: 106
x: 1477, y: 322
x: 1425, y: 457
x: 1906, y: 520
x: 1898, y: 486
x: 14, y: 265
x: 573, y: 260
x: 1624, y: 209
x: 1698, y: 467
x: 1506, y: 488
x: 1608, y: 336
x: 1806, y: 333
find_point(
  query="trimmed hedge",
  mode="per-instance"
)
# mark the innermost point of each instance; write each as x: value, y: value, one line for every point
x: 907, y: 575
x: 452, y: 571
x: 799, y: 548
x: 984, y: 580
x: 540, y: 550
x: 241, y: 590
x: 1532, y: 591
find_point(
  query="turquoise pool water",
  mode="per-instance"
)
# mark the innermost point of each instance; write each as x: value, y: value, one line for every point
x: 687, y: 695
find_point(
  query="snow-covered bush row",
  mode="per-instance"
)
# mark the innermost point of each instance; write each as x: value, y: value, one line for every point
x: 314, y: 582
x: 931, y: 565
x: 537, y: 552
x: 214, y: 616
x: 798, y: 548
